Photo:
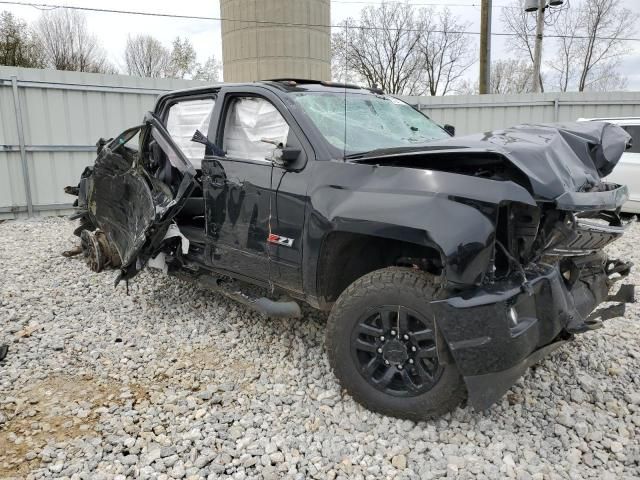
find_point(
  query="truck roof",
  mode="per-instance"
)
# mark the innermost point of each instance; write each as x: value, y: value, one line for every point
x: 283, y: 84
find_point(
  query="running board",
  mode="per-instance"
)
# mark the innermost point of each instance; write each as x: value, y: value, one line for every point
x: 263, y: 305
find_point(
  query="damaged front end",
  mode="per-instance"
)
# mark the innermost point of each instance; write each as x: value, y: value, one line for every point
x: 525, y: 310
x: 547, y: 274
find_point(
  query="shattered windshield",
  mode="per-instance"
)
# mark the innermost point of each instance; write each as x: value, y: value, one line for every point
x: 373, y: 121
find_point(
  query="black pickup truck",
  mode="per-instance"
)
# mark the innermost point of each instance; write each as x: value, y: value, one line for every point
x: 448, y: 264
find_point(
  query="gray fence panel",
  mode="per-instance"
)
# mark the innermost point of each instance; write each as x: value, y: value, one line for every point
x: 63, y: 114
x: 477, y: 113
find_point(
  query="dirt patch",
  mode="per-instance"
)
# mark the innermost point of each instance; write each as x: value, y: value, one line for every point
x: 64, y: 407
x: 58, y: 409
x: 190, y: 367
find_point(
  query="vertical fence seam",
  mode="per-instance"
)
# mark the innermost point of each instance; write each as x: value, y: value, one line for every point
x: 23, y: 150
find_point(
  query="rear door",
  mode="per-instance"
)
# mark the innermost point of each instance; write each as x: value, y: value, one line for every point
x: 132, y: 194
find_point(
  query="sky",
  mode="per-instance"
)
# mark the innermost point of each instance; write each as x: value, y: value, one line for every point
x: 112, y: 29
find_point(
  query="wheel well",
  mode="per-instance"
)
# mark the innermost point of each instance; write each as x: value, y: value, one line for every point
x: 345, y: 257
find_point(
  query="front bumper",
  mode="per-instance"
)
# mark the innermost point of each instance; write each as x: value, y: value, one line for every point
x: 495, y: 333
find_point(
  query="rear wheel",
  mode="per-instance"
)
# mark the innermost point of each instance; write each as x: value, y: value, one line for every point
x: 381, y: 343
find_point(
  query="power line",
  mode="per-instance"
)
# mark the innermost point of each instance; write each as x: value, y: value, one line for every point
x: 420, y: 4
x: 426, y: 4
x: 286, y: 24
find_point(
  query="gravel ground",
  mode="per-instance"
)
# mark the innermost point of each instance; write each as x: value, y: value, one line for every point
x: 173, y: 381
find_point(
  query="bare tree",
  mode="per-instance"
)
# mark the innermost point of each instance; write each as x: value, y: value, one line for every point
x: 606, y: 77
x: 445, y: 50
x: 604, y: 23
x: 209, y: 71
x: 402, y: 51
x: 145, y: 56
x: 68, y: 45
x: 522, y: 25
x: 468, y: 87
x: 341, y: 70
x: 588, y: 40
x: 383, y: 50
x: 19, y: 46
x: 183, y: 59
x: 563, y: 63
x: 511, y: 76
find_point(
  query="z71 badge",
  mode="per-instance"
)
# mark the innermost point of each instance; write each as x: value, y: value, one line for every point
x: 278, y: 240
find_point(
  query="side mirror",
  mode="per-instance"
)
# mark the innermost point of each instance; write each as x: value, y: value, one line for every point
x: 285, y: 156
x: 450, y: 129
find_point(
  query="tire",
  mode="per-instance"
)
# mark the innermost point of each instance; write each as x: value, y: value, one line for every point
x: 399, y: 385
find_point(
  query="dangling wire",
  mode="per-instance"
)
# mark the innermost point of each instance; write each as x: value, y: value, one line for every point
x: 268, y: 244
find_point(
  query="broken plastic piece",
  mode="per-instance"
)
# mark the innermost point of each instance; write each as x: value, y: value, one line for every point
x: 626, y: 294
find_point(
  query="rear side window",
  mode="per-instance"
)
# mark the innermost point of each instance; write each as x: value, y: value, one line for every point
x: 183, y: 120
x: 634, y: 131
x: 253, y: 129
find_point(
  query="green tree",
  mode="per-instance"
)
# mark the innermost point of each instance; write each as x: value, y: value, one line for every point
x: 209, y: 71
x: 19, y: 46
x: 183, y: 59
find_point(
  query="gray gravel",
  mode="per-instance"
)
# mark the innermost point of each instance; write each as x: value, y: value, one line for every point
x: 175, y: 382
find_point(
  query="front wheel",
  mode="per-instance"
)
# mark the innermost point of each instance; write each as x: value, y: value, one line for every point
x: 381, y: 343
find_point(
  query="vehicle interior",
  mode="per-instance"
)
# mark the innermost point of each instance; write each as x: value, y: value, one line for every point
x: 253, y: 130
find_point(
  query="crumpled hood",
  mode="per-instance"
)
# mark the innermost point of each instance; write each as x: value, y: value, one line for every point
x: 556, y: 157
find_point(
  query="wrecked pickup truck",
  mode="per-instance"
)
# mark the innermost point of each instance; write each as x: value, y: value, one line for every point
x: 449, y: 265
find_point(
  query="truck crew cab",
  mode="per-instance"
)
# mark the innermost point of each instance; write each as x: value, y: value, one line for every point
x: 448, y: 264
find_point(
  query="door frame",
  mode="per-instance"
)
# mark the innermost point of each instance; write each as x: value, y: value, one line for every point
x: 225, y: 96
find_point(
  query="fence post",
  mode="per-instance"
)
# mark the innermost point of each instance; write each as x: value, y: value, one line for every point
x: 23, y: 150
x: 556, y: 109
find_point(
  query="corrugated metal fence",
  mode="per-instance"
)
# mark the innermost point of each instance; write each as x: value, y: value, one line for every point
x: 50, y: 121
x: 479, y: 113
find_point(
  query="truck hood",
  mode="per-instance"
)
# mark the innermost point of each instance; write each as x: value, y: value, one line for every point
x: 556, y: 158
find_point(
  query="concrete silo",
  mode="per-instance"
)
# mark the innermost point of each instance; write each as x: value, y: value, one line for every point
x: 257, y: 51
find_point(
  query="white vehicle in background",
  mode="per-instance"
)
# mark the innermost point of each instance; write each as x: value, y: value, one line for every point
x: 627, y: 172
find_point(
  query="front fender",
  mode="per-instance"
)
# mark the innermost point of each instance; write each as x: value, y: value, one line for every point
x: 453, y: 213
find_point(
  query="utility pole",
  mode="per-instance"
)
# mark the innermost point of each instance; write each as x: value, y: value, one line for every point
x: 485, y: 46
x: 537, y: 52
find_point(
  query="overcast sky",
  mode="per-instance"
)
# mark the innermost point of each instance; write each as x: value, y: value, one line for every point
x: 112, y: 29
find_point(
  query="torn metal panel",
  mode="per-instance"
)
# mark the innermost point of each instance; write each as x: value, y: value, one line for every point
x: 126, y: 201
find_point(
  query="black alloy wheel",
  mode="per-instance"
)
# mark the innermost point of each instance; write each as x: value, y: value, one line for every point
x: 396, y: 350
x: 384, y: 347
